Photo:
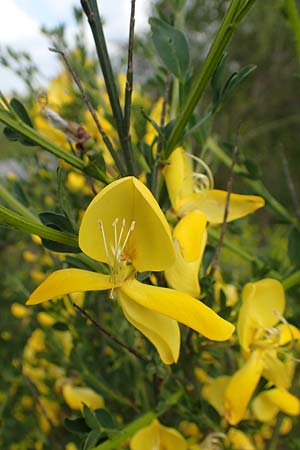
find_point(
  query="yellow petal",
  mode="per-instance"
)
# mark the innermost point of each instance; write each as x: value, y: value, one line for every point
x: 184, y: 276
x: 181, y: 307
x: 263, y: 409
x: 267, y: 404
x: 275, y: 370
x: 212, y: 203
x: 241, y: 387
x: 66, y: 281
x: 162, y: 331
x: 239, y: 440
x: 266, y: 300
x: 213, y: 392
x: 190, y: 232
x: 76, y: 396
x: 149, y: 246
x: 288, y: 333
x: 156, y: 436
x: 178, y: 175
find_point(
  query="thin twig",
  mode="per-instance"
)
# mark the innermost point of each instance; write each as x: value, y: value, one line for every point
x: 35, y: 394
x: 108, y: 334
x: 129, y: 77
x: 217, y: 254
x: 89, y: 105
x: 290, y: 181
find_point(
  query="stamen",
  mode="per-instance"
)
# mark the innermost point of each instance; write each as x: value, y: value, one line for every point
x: 115, y: 223
x: 131, y: 228
x: 121, y: 232
x: 104, y: 238
x: 206, y: 168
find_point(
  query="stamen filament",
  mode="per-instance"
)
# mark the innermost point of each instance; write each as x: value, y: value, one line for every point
x: 206, y: 168
x: 104, y: 239
x: 131, y: 228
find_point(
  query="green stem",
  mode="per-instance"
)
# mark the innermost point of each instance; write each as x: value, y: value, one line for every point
x: 97, y: 384
x: 294, y: 19
x: 33, y: 227
x: 242, y: 253
x: 30, y: 133
x: 91, y: 10
x: 292, y: 280
x: 15, y: 204
x: 233, y: 16
x: 115, y: 441
x: 257, y: 185
x: 276, y: 432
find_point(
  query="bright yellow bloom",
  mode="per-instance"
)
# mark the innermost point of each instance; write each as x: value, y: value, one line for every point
x: 211, y: 202
x: 125, y: 228
x: 158, y: 437
x: 261, y: 339
x: 196, y: 208
x: 239, y: 440
x: 76, y: 396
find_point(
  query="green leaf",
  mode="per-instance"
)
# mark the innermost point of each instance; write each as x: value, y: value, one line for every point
x: 15, y: 136
x: 92, y: 440
x: 104, y: 418
x: 77, y: 426
x: 90, y: 418
x: 21, y: 112
x: 60, y: 326
x: 236, y: 79
x: 294, y: 247
x: 171, y: 45
x: 217, y: 81
x: 63, y: 198
x: 61, y: 223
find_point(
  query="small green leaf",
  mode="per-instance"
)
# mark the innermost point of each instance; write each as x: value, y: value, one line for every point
x: 21, y: 112
x: 15, y: 136
x: 77, y: 426
x: 61, y: 223
x: 104, y: 418
x: 60, y: 326
x: 171, y: 45
x: 90, y: 418
x: 92, y: 440
x: 294, y: 247
x: 236, y: 79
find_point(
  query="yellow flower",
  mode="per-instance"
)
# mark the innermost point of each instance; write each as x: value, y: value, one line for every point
x: 76, y: 396
x: 211, y: 202
x: 239, y: 440
x: 261, y: 339
x: 19, y: 311
x: 196, y: 208
x: 158, y: 437
x: 125, y: 228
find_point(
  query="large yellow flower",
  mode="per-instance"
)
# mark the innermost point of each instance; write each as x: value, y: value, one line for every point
x: 125, y: 228
x: 261, y: 338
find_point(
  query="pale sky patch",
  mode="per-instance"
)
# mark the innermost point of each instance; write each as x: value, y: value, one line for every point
x: 20, y: 22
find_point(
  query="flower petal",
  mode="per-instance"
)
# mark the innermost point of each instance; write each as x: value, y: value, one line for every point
x: 213, y: 392
x: 191, y: 234
x: 178, y: 175
x: 66, y: 281
x: 267, y: 404
x: 162, y: 331
x: 76, y: 396
x: 181, y: 307
x: 276, y: 371
x: 241, y: 387
x: 267, y: 300
x: 149, y: 246
x: 288, y: 333
x: 156, y: 436
x: 184, y: 276
x: 212, y: 203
